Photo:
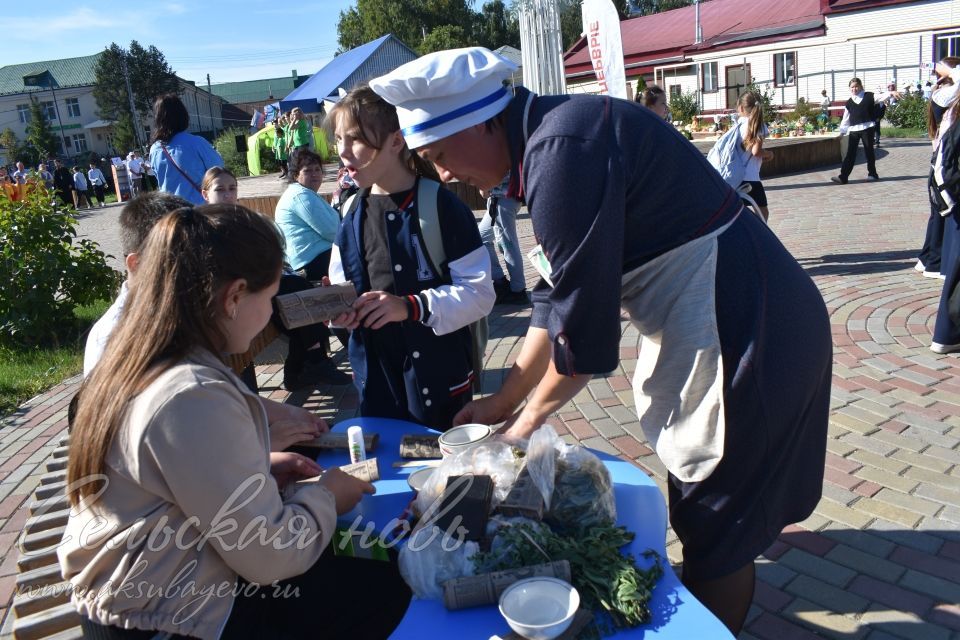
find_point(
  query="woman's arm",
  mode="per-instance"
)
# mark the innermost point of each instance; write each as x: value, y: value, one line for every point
x: 317, y: 214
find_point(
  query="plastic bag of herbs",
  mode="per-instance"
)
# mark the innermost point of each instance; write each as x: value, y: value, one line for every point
x: 576, y: 487
x: 609, y: 582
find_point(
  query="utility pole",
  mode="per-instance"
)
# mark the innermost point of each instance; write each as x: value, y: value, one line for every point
x: 210, y: 106
x: 133, y: 107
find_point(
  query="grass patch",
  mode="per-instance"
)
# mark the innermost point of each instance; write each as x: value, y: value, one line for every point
x: 902, y: 132
x: 27, y: 371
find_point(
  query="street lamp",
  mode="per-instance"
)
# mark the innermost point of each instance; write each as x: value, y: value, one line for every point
x: 45, y: 80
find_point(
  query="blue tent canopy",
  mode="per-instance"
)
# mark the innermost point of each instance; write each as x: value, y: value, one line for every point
x: 347, y: 71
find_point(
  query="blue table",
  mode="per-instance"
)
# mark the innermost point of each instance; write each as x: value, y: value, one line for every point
x: 640, y: 508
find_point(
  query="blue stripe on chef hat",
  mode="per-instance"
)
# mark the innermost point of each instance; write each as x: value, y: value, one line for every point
x: 445, y: 92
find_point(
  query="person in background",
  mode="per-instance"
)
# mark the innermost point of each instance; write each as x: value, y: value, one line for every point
x: 752, y: 132
x: 661, y: 236
x: 825, y: 103
x: 46, y: 176
x: 179, y: 158
x: 655, y: 99
x: 63, y: 183
x: 167, y: 438
x: 498, y: 230
x: 219, y: 186
x: 135, y: 172
x: 858, y: 121
x: 299, y: 132
x: 98, y: 182
x: 80, y: 193
x: 20, y: 175
x: 309, y: 226
x: 280, y: 148
x: 947, y: 71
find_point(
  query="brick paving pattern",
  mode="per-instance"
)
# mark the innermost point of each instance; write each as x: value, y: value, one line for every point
x: 880, y: 557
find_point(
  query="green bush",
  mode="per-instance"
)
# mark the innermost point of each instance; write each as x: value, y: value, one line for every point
x: 684, y: 106
x: 46, y: 272
x: 909, y: 113
x: 226, y: 145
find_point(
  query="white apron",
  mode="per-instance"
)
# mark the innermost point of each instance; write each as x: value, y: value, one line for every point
x: 678, y: 383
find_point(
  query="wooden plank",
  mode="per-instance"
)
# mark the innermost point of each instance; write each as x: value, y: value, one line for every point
x: 56, y: 503
x: 37, y: 558
x: 42, y: 539
x: 44, y: 491
x: 39, y: 577
x: 45, y: 623
x: 41, y: 598
x: 45, y: 521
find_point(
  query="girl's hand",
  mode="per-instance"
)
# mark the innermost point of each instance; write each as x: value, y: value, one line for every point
x: 376, y: 308
x: 768, y: 154
x: 347, y: 490
x: 286, y: 467
x: 291, y: 424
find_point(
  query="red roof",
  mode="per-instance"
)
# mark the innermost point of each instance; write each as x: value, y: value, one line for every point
x: 839, y: 6
x: 664, y: 37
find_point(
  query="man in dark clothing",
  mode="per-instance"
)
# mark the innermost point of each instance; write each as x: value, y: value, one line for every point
x: 63, y: 183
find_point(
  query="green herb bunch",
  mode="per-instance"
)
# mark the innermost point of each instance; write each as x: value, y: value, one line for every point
x: 607, y: 579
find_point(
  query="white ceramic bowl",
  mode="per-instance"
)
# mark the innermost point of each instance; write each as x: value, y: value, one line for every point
x: 463, y: 437
x: 418, y: 478
x: 539, y: 608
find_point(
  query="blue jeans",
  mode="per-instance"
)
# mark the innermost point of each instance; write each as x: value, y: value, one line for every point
x: 499, y: 227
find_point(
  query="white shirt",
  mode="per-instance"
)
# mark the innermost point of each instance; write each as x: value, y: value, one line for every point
x: 134, y: 167
x: 96, y: 177
x: 751, y: 172
x: 100, y: 332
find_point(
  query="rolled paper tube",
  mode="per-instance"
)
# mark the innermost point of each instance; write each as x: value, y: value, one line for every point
x: 486, y: 588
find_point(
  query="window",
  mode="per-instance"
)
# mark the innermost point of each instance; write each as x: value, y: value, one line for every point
x: 73, y: 107
x: 49, y: 111
x: 675, y: 91
x: 946, y: 44
x: 784, y: 68
x: 80, y: 142
x: 24, y: 112
x: 709, y: 71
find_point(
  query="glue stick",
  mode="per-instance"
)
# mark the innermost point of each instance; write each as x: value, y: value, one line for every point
x: 358, y: 452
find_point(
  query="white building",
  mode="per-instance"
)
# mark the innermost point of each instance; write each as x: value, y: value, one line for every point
x: 796, y: 48
x: 73, y: 115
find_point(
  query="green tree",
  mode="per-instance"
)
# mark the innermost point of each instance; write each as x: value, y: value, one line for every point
x: 412, y: 21
x: 150, y: 77
x: 647, y: 7
x: 9, y: 141
x: 124, y: 138
x: 40, y: 135
x: 498, y: 26
x: 446, y: 36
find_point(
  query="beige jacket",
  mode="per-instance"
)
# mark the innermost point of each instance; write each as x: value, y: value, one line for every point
x: 190, y: 504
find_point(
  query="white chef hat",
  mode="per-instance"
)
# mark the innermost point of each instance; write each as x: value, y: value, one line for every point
x: 445, y: 92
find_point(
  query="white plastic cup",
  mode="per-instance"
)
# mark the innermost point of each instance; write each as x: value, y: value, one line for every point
x: 358, y: 453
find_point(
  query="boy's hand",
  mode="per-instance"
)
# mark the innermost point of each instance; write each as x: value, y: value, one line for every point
x: 375, y: 309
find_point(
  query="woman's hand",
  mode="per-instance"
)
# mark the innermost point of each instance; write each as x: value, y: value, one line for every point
x: 377, y: 308
x: 518, y: 427
x: 286, y: 467
x: 290, y: 424
x: 347, y: 490
x: 493, y: 409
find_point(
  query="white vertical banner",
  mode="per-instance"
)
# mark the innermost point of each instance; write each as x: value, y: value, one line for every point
x: 601, y: 27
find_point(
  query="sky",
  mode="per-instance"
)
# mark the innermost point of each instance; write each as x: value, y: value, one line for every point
x: 232, y: 41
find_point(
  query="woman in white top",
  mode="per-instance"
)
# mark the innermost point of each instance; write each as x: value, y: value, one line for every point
x: 753, y: 131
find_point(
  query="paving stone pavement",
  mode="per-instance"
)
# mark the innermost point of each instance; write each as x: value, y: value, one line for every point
x: 880, y: 557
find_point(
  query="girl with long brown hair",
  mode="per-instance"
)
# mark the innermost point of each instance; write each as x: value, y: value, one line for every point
x: 410, y: 344
x: 753, y: 131
x: 177, y: 516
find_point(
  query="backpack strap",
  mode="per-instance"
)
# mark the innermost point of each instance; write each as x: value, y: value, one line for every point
x: 427, y: 193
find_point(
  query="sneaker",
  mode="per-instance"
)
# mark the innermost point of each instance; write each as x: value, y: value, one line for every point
x: 919, y: 267
x: 874, y: 177
x: 838, y: 180
x: 931, y: 274
x: 512, y: 297
x: 501, y: 285
x: 936, y: 347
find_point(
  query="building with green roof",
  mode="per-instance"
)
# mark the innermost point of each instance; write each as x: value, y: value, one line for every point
x: 72, y: 110
x: 251, y: 95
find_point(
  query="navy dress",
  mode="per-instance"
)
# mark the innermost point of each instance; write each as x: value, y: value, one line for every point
x: 611, y: 188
